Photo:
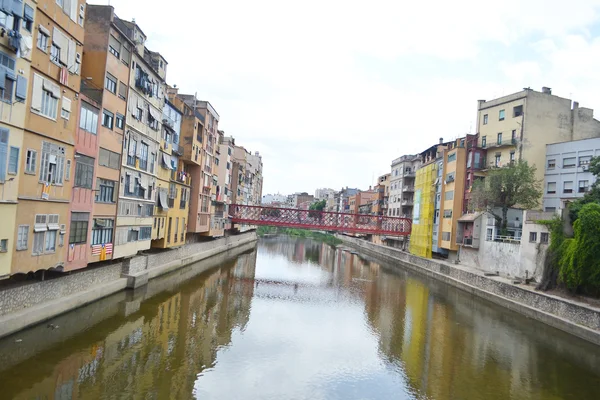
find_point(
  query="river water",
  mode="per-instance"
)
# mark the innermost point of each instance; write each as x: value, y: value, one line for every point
x: 296, y: 319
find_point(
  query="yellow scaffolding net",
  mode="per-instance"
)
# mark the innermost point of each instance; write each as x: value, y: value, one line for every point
x: 421, y: 235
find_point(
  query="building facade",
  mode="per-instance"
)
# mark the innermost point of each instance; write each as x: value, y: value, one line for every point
x: 402, y: 185
x: 567, y: 176
x: 45, y: 187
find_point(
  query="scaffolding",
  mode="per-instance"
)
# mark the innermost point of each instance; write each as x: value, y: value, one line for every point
x: 421, y: 236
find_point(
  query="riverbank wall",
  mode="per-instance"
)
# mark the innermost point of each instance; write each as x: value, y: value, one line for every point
x: 571, y: 316
x: 34, y: 302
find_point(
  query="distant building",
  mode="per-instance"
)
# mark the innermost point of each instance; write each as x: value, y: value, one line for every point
x: 402, y: 185
x: 323, y: 194
x: 269, y: 199
x: 566, y: 172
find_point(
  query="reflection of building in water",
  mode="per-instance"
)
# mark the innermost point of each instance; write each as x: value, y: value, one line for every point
x: 156, y: 352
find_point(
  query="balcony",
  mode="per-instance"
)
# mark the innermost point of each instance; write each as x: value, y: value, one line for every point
x: 409, y: 175
x: 408, y: 189
x: 206, y: 190
x: 177, y: 149
x: 178, y: 176
x: 500, y: 143
x: 407, y: 202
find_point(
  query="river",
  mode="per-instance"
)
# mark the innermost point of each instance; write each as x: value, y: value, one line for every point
x: 296, y: 319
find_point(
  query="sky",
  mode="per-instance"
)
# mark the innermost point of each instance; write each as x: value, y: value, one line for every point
x: 331, y: 91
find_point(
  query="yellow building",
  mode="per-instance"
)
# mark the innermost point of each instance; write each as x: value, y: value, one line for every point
x: 13, y: 107
x: 422, y: 227
x: 171, y: 213
x: 520, y: 125
x: 453, y: 189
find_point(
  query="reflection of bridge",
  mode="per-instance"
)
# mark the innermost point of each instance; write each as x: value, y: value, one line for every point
x: 320, y: 220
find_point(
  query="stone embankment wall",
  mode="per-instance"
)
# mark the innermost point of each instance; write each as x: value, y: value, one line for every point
x: 31, y: 303
x: 570, y: 316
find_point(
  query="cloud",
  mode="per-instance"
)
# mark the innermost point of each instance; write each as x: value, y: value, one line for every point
x: 308, y: 83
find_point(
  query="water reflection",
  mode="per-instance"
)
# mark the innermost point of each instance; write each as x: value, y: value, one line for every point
x: 298, y: 320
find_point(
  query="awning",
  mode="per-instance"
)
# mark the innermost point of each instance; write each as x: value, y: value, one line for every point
x: 52, y: 88
x: 53, y: 227
x: 166, y: 160
x: 40, y: 228
x: 162, y: 200
x: 143, y: 182
x: 154, y: 113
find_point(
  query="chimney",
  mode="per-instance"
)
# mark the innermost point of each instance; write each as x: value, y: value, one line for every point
x: 546, y: 90
x: 441, y: 140
x: 575, y: 105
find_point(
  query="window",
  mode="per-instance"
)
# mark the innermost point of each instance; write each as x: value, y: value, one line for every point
x: 13, y: 160
x: 450, y: 177
x: 123, y: 91
x: 449, y: 195
x: 125, y: 55
x: 152, y: 158
x: 84, y: 171
x: 451, y: 157
x: 499, y: 138
x: 584, y: 160
x: 102, y: 231
x: 484, y: 141
x: 55, y: 54
x: 42, y: 41
x: 517, y: 111
x: 228, y: 165
x: 110, y: 83
x: 512, y: 156
x: 544, y: 237
x: 447, y: 213
x: 79, y: 227
x: 50, y: 242
x: 143, y: 156
x: 88, y: 119
x: 568, y: 187
x: 489, y: 236
x: 139, y: 114
x: 108, y: 119
x: 30, y: 162
x: 22, y: 237
x: 131, y: 152
x: 583, y: 186
x: 28, y: 18
x: 533, y: 237
x: 52, y: 163
x: 501, y: 115
x: 49, y: 104
x: 569, y: 162
x: 114, y: 47
x: 514, y: 136
x: 551, y: 188
x: 485, y: 119
x: 110, y: 159
x: 497, y: 160
x: 550, y: 209
x: 7, y: 81
x: 446, y: 236
x: 145, y: 233
x: 133, y: 235
x: 38, y: 243
x: 551, y: 164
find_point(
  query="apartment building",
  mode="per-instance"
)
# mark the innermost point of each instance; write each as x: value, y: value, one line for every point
x: 142, y: 145
x: 50, y: 126
x: 269, y: 199
x: 437, y: 209
x: 402, y: 185
x: 567, y: 176
x: 102, y: 112
x: 224, y: 170
x: 323, y: 193
x: 169, y: 228
x: 14, y: 87
x: 476, y: 167
x: 383, y: 189
x: 520, y: 125
x: 344, y: 199
x: 452, y: 193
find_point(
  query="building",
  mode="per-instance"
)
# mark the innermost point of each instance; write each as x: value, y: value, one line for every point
x: 224, y: 171
x: 247, y: 180
x: 269, y: 199
x: 437, y: 209
x: 192, y: 144
x: 169, y: 228
x: 344, y: 199
x: 103, y: 109
x: 323, y: 194
x: 143, y: 174
x: 303, y: 197
x: 333, y: 202
x: 364, y: 199
x: 402, y: 185
x: 454, y: 164
x: 383, y: 189
x: 476, y: 164
x: 41, y: 227
x: 15, y: 157
x: 567, y: 176
x: 520, y: 125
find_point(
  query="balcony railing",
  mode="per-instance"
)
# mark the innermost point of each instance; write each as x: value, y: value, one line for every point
x: 408, y: 189
x: 407, y: 202
x: 177, y: 149
x: 500, y: 143
x: 409, y: 175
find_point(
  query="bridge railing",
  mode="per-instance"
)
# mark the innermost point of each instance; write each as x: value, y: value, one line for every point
x: 324, y: 220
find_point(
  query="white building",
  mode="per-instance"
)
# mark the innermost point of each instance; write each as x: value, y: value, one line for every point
x: 402, y: 185
x: 566, y: 175
x: 268, y: 199
x: 323, y: 194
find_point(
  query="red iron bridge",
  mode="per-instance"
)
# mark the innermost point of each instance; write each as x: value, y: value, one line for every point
x: 320, y: 220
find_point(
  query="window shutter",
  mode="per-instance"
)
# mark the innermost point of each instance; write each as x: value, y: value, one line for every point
x: 73, y: 10
x: 2, y: 75
x: 61, y: 41
x: 71, y: 57
x: 17, y: 8
x: 36, y: 92
x: 21, y: 92
x: 123, y: 90
x: 3, y: 153
x: 66, y: 104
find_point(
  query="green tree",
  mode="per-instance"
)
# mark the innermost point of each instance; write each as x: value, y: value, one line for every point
x: 318, y: 206
x: 593, y: 196
x: 504, y: 188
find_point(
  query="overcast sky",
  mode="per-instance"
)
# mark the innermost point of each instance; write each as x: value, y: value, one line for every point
x: 329, y: 92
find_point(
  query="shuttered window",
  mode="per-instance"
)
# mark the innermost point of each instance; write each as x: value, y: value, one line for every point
x: 3, y: 153
x: 84, y: 171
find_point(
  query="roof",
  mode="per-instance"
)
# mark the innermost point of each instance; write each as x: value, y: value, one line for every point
x: 470, y: 217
